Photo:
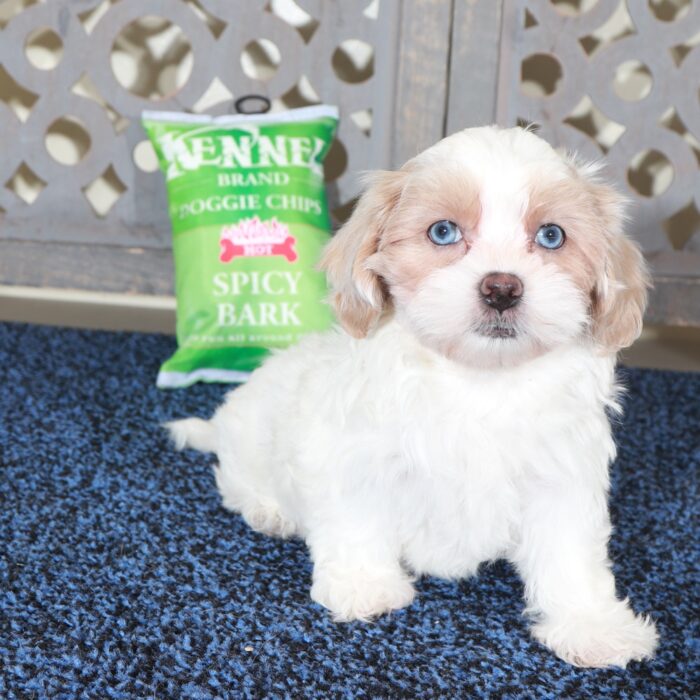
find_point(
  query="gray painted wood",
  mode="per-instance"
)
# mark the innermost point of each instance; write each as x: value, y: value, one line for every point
x: 475, y: 56
x: 557, y: 37
x: 61, y: 211
x: 439, y: 65
x: 675, y: 301
x: 422, y: 78
x: 86, y: 266
x: 562, y: 120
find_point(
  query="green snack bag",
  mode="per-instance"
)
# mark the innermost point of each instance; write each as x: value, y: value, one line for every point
x: 249, y: 218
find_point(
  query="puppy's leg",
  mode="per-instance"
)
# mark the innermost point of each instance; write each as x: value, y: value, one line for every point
x: 253, y: 500
x: 357, y: 574
x: 569, y: 585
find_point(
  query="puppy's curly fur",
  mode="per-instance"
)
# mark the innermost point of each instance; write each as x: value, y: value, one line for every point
x: 436, y: 431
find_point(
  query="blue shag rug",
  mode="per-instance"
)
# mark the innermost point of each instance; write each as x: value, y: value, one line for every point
x: 121, y: 576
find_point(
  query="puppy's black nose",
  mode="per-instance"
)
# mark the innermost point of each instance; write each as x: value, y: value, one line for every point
x: 500, y: 290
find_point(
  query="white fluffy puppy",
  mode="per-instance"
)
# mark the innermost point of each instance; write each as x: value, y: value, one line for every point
x: 460, y: 416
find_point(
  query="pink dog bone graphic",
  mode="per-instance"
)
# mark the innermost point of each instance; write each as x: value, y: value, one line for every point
x: 256, y: 238
x: 230, y: 250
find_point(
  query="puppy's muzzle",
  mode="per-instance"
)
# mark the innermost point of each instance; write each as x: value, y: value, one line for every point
x: 501, y: 291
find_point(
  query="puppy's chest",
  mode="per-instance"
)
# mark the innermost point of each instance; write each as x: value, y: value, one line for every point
x: 452, y: 425
x: 464, y: 453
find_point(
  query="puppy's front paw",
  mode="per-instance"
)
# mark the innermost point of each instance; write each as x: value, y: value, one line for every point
x: 600, y: 641
x: 360, y: 594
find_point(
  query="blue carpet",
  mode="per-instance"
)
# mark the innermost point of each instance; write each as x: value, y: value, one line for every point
x: 122, y: 577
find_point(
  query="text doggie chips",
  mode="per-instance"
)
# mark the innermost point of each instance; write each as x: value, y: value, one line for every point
x: 249, y: 218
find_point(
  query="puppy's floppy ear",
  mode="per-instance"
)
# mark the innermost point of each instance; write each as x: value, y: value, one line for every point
x: 620, y: 294
x: 357, y: 293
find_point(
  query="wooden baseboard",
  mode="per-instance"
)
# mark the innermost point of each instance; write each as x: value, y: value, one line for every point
x: 81, y: 309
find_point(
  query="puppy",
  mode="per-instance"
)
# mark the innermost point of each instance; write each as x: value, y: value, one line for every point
x: 461, y: 413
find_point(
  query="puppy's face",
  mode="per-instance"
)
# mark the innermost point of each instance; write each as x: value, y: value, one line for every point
x: 492, y: 249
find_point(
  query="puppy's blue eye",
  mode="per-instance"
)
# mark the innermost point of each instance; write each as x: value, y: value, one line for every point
x: 550, y: 236
x: 444, y: 233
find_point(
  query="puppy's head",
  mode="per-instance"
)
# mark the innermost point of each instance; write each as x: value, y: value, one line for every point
x: 491, y: 248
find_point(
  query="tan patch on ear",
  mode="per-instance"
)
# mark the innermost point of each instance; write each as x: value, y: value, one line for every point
x: 597, y: 256
x: 569, y: 204
x: 406, y: 256
x: 357, y: 293
x: 620, y: 298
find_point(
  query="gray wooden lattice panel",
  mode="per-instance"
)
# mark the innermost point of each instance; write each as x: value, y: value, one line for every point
x: 620, y: 80
x: 138, y: 215
x: 311, y: 58
x: 436, y: 66
x: 612, y: 78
